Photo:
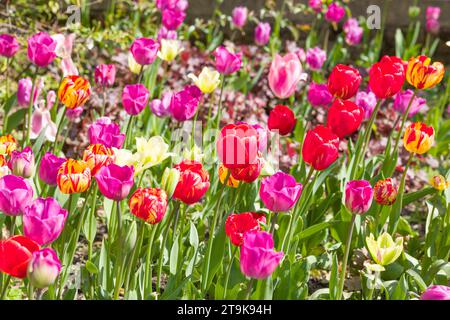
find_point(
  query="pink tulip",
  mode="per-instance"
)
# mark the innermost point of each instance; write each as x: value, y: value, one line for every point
x: 104, y: 131
x: 366, y: 100
x: 115, y: 182
x: 48, y: 168
x: 227, y: 62
x: 44, y: 267
x: 258, y: 258
x: 402, y: 100
x: 24, y: 91
x: 41, y: 49
x: 353, y: 32
x: 173, y: 18
x: 358, y: 196
x: 335, y: 12
x: 105, y: 74
x: 64, y: 45
x: 41, y: 118
x: 135, y: 98
x: 318, y: 94
x: 15, y: 195
x: 161, y: 107
x: 280, y: 192
x: 43, y: 220
x: 74, y: 114
x: 172, y: 4
x: 239, y: 16
x: 316, y: 5
x: 164, y: 33
x: 144, y: 50
x: 315, y: 58
x: 262, y: 33
x: 184, y: 103
x: 433, y: 13
x: 22, y: 163
x: 285, y: 74
x: 8, y: 45
x: 436, y: 292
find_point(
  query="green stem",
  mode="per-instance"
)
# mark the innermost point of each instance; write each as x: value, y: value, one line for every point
x: 249, y: 289
x: 346, y: 254
x: 227, y: 277
x: 405, y: 116
x: 135, y: 257
x: 61, y: 121
x: 148, y: 283
x: 5, y: 287
x: 30, y: 291
x: 30, y: 109
x: 219, y: 110
x: 118, y: 266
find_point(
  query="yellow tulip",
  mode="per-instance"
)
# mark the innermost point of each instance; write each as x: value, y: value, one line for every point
x: 150, y: 152
x: 439, y: 182
x: 384, y: 250
x: 133, y: 65
x: 207, y: 81
x: 169, y: 49
x: 123, y: 157
x: 422, y: 74
x: 418, y: 138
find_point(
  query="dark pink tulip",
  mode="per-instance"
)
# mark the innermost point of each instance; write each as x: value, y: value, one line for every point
x: 315, y: 58
x: 172, y: 4
x: 43, y: 220
x: 104, y: 131
x: 135, y: 98
x: 48, y: 168
x: 318, y: 94
x: 22, y: 163
x: 144, y: 50
x: 16, y: 194
x: 43, y: 268
x: 258, y: 258
x: 173, y: 18
x: 115, y: 182
x: 280, y: 192
x: 436, y: 292
x: 8, y: 45
x: 358, y: 196
x: 316, y: 5
x: 262, y: 33
x: 41, y: 49
x: 163, y: 33
x: 184, y: 103
x: 227, y: 62
x: 105, y: 74
x: 335, y: 12
x: 239, y: 16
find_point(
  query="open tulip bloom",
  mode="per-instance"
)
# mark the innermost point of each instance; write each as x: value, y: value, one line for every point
x: 158, y: 154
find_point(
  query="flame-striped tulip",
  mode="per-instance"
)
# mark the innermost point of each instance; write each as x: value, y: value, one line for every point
x: 98, y: 156
x: 422, y: 74
x: 74, y: 176
x: 149, y: 204
x: 223, y: 173
x: 418, y: 138
x: 8, y: 144
x: 74, y: 91
x: 385, y: 192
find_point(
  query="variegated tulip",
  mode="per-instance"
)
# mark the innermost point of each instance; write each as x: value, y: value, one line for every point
x: 418, y: 138
x: 422, y: 74
x: 74, y: 176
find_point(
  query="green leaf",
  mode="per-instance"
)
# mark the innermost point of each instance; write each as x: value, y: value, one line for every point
x: 422, y: 285
x: 174, y: 256
x: 12, y: 100
x: 334, y: 278
x: 218, y: 248
x: 16, y: 119
x: 92, y: 268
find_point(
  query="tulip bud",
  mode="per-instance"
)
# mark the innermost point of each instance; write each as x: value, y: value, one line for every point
x: 413, y: 11
x: 385, y: 192
x: 384, y: 250
x: 170, y: 180
x: 439, y: 182
x: 22, y: 163
x: 418, y: 138
x: 358, y: 196
x: 207, y: 81
x: 44, y: 268
x: 169, y: 49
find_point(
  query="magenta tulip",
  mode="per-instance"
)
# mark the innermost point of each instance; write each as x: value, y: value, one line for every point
x: 24, y: 91
x: 315, y: 58
x: 366, y: 100
x: 164, y: 33
x: 358, y: 196
x: 402, y: 100
x: 335, y: 12
x: 316, y: 5
x: 285, y: 74
x: 48, y: 168
x: 161, y: 107
x: 239, y: 16
x: 43, y: 268
x: 8, y: 45
x: 43, y: 220
x: 41, y: 49
x: 280, y: 192
x: 144, y: 50
x: 135, y: 98
x: 104, y: 131
x: 22, y: 163
x: 258, y: 258
x: 226, y: 61
x: 184, y: 103
x: 353, y: 32
x: 262, y: 33
x: 436, y: 292
x: 105, y: 74
x: 16, y: 194
x: 173, y: 18
x: 115, y: 182
x: 318, y: 94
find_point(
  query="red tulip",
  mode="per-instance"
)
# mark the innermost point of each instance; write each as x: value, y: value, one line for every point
x: 193, y: 182
x: 344, y: 117
x: 15, y: 254
x: 282, y: 118
x: 386, y: 77
x: 344, y: 81
x: 320, y: 148
x: 248, y: 173
x: 237, y: 225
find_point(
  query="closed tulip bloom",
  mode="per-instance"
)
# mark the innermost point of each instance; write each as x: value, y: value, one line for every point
x: 172, y: 4
x: 315, y: 58
x: 207, y: 81
x: 384, y: 250
x: 250, y: 172
x: 144, y: 50
x: 285, y: 74
x: 439, y: 183
x: 184, y: 103
x: 418, y: 138
x: 320, y: 147
x: 344, y: 81
x: 24, y: 92
x: 15, y: 254
x: 97, y: 156
x: 239, y: 16
x: 8, y: 144
x: 258, y: 258
x: 8, y: 45
x: 353, y: 32
x: 133, y: 65
x: 193, y: 182
x: 41, y: 49
x: 402, y: 100
x: 106, y: 132
x: 226, y: 61
x: 280, y: 192
x: 161, y: 107
x: 262, y: 33
x: 150, y: 152
x: 385, y: 192
x: 16, y: 194
x: 421, y: 74
x: 135, y: 98
x: 149, y: 204
x: 22, y: 163
x: 335, y: 12
x: 358, y: 196
x: 169, y: 49
x: 344, y: 117
x: 74, y: 114
x: 316, y: 5
x: 367, y: 101
x: 105, y: 74
x: 169, y: 180
x: 386, y: 77
x: 237, y: 225
x: 43, y: 268
x: 223, y: 173
x: 74, y: 176
x: 282, y: 118
x: 164, y: 33
x: 74, y: 91
x: 318, y: 94
x: 436, y: 292
x: 173, y: 18
x: 115, y: 182
x: 43, y: 220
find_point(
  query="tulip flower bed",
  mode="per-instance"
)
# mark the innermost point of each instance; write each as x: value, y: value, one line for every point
x: 142, y: 157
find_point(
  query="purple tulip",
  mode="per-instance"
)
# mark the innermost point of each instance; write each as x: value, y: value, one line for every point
x: 315, y: 58
x: 258, y: 258
x: 105, y: 74
x: 161, y: 107
x: 43, y: 268
x: 227, y: 62
x: 135, y: 98
x: 280, y: 192
x: 144, y: 50
x: 239, y: 16
x: 15, y: 195
x: 366, y: 100
x: 316, y: 5
x: 22, y: 163
x: 8, y: 45
x: 184, y: 103
x: 106, y: 132
x: 358, y: 196
x: 262, y: 33
x: 318, y: 94
x: 173, y: 18
x: 353, y: 32
x: 334, y: 13
x: 436, y: 292
x: 115, y: 182
x: 43, y: 220
x: 48, y: 168
x: 41, y: 49
x: 402, y: 100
